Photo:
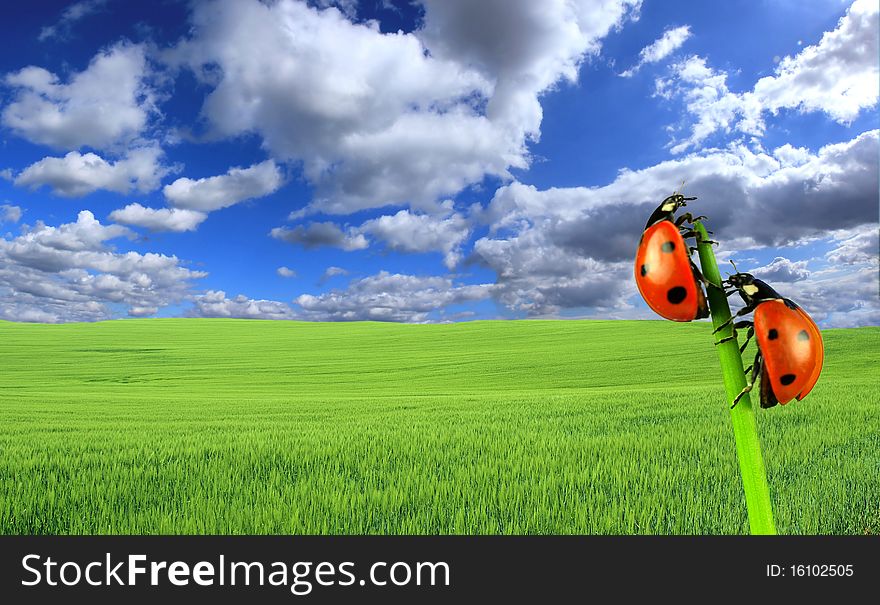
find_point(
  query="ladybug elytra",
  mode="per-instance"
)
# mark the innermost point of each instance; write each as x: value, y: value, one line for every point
x: 790, y: 348
x: 666, y: 276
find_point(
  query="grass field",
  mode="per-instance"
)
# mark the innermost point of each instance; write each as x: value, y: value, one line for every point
x: 228, y: 426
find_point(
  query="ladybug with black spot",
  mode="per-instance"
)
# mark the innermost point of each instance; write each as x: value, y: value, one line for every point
x: 790, y: 348
x: 667, y: 278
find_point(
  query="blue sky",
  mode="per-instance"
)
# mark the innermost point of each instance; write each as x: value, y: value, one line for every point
x: 427, y: 161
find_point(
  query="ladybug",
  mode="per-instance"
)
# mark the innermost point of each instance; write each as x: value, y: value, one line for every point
x: 790, y: 348
x: 667, y: 278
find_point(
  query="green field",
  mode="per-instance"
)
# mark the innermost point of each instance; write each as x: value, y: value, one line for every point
x: 230, y: 426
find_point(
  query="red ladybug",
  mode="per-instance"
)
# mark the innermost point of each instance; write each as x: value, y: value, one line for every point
x: 667, y: 278
x: 790, y: 349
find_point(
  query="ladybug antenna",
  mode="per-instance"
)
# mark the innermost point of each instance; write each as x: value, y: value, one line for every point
x: 734, y: 265
x: 679, y: 192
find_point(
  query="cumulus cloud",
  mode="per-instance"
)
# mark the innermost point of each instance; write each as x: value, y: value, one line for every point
x: 382, y: 119
x: 839, y: 289
x: 782, y: 269
x: 105, y: 105
x: 164, y: 219
x: 857, y: 247
x: 839, y: 76
x: 214, y: 303
x: 559, y: 249
x: 410, y: 232
x: 708, y: 99
x: 835, y: 296
x: 316, y: 235
x: 285, y: 272
x: 381, y: 297
x: 69, y: 16
x: 390, y: 297
x: 671, y: 40
x: 76, y: 174
x: 70, y: 273
x: 539, y: 276
x: 330, y: 273
x: 791, y: 156
x: 213, y: 193
x: 404, y: 231
x: 86, y: 234
x: 9, y: 213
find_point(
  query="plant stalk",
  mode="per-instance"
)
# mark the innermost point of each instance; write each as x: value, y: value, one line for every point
x: 745, y: 429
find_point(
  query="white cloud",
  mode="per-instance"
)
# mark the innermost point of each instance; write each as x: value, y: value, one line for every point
x: 856, y: 247
x: 213, y: 193
x: 330, y: 273
x: 572, y: 248
x: 285, y: 272
x: 839, y: 76
x: 87, y: 233
x: 404, y: 231
x: 791, y: 156
x: 214, y: 303
x: 316, y: 235
x: 840, y: 296
x: 708, y: 99
x: 9, y: 213
x: 164, y: 219
x: 69, y: 17
x: 106, y: 105
x: 390, y: 297
x: 380, y: 297
x: 390, y: 119
x: 76, y: 174
x: 671, y: 40
x: 409, y: 232
x: 782, y: 269
x: 69, y: 273
x: 142, y: 311
x: 540, y: 276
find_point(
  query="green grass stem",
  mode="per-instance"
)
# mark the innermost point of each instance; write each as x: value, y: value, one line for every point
x: 745, y: 429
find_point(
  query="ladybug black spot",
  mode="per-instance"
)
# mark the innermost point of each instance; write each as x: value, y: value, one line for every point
x: 802, y: 335
x: 773, y: 334
x: 668, y: 247
x: 676, y: 295
x: 644, y: 270
x: 787, y: 379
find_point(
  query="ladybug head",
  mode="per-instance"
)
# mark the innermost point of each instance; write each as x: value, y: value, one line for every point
x: 674, y: 202
x: 738, y: 280
x: 667, y: 208
x: 749, y: 287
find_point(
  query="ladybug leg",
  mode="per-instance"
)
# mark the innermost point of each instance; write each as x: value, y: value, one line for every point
x: 744, y: 311
x: 689, y: 233
x: 756, y: 368
x: 739, y: 326
x: 698, y: 275
x: 687, y: 217
x: 749, y: 335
